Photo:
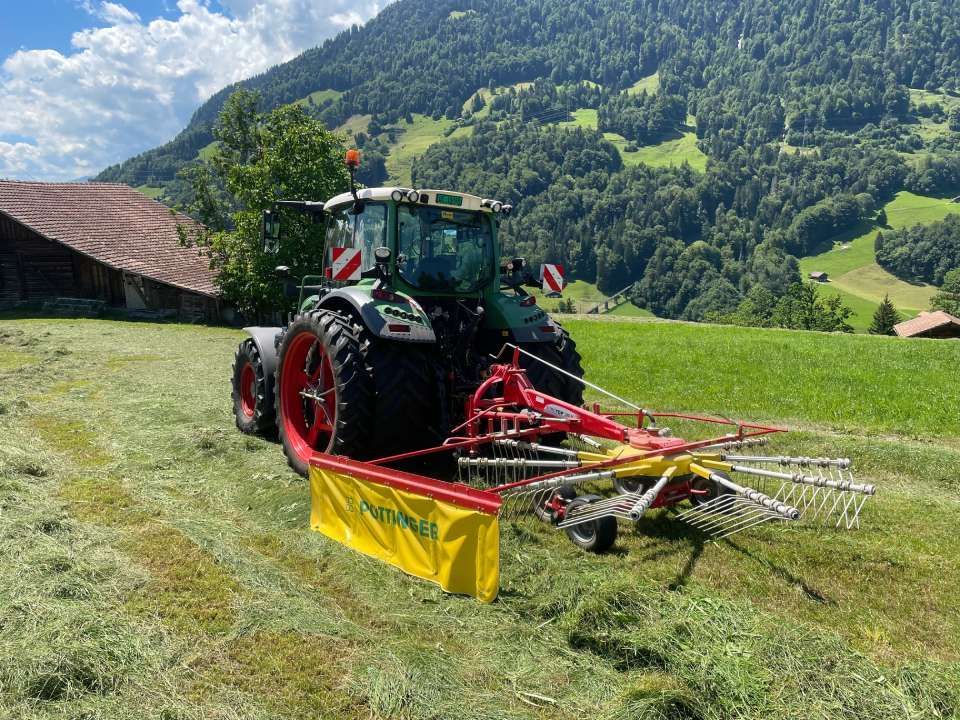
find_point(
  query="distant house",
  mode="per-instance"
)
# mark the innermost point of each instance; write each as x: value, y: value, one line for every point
x: 819, y: 276
x: 99, y: 241
x: 937, y: 324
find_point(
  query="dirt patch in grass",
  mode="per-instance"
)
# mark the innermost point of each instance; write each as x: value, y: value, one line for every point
x: 103, y: 501
x: 189, y: 591
x: 71, y: 438
x: 296, y: 676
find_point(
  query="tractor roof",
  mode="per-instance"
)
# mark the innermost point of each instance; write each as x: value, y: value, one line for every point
x: 469, y: 202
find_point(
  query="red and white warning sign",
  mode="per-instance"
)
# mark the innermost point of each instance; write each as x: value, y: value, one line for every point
x: 551, y: 277
x: 345, y: 263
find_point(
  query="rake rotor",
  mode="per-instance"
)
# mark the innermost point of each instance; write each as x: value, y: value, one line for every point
x: 630, y: 469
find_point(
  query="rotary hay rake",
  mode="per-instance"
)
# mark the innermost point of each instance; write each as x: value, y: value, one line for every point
x: 523, y: 452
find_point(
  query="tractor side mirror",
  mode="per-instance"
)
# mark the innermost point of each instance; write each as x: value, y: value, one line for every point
x: 517, y: 264
x: 270, y: 232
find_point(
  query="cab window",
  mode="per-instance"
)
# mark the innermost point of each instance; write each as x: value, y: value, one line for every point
x: 365, y: 231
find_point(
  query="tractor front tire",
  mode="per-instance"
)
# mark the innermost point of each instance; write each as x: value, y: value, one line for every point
x: 562, y: 352
x: 252, y: 390
x: 324, y: 394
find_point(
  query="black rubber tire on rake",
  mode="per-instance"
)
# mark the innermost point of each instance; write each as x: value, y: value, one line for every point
x: 353, y: 422
x: 562, y: 352
x: 596, y: 536
x: 253, y: 407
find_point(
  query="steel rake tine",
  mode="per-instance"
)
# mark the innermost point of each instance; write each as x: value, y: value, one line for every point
x: 611, y: 506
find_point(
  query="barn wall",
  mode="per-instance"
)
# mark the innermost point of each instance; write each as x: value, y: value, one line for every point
x: 32, y: 267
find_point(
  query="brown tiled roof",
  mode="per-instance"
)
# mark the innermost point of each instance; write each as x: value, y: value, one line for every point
x: 113, y: 224
x: 924, y: 322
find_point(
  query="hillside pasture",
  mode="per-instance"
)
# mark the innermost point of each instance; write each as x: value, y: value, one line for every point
x: 159, y: 563
x: 413, y: 140
x: 851, y: 264
x: 672, y: 152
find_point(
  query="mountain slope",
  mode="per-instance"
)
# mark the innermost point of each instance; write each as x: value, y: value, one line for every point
x: 695, y: 148
x: 429, y: 57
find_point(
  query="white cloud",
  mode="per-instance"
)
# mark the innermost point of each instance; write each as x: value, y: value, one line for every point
x: 132, y: 84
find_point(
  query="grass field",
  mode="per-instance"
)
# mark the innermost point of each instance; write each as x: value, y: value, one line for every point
x: 158, y: 563
x: 150, y: 192
x: 584, y: 294
x: 854, y: 272
x: 927, y: 128
x: 668, y: 153
x: 319, y: 97
x: 413, y: 140
x: 355, y: 124
x: 650, y: 83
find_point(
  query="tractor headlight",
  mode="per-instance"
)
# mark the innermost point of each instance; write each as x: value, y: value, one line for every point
x: 397, y: 195
x: 413, y: 196
x: 507, y: 209
x: 496, y: 206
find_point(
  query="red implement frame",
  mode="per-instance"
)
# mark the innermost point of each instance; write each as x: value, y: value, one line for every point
x: 506, y: 405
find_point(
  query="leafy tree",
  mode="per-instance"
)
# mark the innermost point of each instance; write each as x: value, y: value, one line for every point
x: 802, y: 309
x: 261, y: 158
x: 885, y: 317
x: 948, y: 297
x: 955, y: 118
x: 923, y: 253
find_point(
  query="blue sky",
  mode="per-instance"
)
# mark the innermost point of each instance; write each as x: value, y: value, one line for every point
x: 94, y: 82
x: 50, y: 23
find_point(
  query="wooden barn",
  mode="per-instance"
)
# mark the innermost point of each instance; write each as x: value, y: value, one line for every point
x: 99, y: 241
x: 937, y: 324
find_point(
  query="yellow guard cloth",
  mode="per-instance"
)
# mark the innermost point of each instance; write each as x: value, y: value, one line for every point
x: 455, y: 547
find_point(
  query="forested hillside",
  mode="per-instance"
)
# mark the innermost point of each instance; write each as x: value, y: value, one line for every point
x: 811, y: 115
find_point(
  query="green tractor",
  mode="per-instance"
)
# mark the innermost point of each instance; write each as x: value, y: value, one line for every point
x: 410, y: 308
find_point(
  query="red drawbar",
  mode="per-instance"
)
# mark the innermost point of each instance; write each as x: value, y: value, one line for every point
x: 453, y: 493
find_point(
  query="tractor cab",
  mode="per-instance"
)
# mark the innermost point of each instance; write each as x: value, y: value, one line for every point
x: 440, y: 243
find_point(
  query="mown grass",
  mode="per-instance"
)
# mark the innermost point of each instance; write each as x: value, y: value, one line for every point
x: 159, y: 563
x: 151, y: 192
x: 672, y: 152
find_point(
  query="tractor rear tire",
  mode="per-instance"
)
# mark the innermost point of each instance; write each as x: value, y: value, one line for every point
x: 252, y: 392
x: 321, y: 355
x: 562, y: 352
x: 407, y: 408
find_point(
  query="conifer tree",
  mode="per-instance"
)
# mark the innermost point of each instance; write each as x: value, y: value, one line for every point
x: 884, y: 318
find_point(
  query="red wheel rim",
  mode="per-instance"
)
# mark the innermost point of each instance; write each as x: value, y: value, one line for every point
x: 248, y: 390
x: 308, y: 397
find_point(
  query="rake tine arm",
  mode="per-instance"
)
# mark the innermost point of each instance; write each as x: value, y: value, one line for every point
x: 814, y: 480
x: 643, y: 504
x: 841, y: 463
x: 781, y: 508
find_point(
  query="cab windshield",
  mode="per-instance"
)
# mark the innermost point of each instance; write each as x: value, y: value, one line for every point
x: 444, y: 250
